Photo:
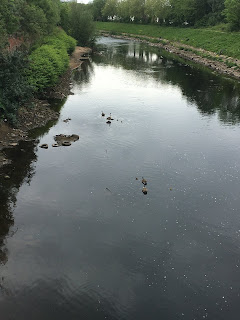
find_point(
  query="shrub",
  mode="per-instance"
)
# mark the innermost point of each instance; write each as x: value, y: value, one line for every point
x: 60, y: 39
x: 47, y: 64
x: 14, y: 87
x: 50, y: 60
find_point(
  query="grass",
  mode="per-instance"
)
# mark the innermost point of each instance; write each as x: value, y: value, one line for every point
x: 211, y: 39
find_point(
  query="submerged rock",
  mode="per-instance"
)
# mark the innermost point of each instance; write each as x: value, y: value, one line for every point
x: 66, y: 140
x: 66, y: 143
x: 44, y: 146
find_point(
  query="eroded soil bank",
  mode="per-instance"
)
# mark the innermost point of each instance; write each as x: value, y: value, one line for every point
x: 218, y: 63
x: 38, y: 112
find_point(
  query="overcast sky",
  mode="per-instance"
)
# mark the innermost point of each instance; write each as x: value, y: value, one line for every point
x: 84, y: 1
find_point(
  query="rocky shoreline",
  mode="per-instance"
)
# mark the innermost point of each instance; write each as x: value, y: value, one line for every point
x: 38, y: 111
x: 218, y: 63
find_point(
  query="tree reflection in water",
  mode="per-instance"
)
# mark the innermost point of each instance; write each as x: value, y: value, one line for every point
x: 21, y: 169
x: 211, y: 93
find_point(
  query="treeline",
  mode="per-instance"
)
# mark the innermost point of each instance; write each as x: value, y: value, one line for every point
x: 198, y: 13
x: 36, y: 38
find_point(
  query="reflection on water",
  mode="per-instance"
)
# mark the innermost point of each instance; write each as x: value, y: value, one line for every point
x: 20, y: 171
x: 78, y: 239
x: 209, y: 92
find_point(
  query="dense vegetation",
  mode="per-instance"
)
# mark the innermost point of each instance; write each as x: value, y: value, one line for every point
x: 196, y: 13
x: 34, y: 49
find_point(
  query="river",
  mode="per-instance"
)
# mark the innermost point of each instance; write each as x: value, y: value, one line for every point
x: 79, y: 239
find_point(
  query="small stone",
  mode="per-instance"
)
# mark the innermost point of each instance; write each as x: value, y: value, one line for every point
x: 66, y: 143
x: 44, y: 146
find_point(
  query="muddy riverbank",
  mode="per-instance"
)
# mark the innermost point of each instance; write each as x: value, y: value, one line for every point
x: 222, y: 64
x: 38, y: 111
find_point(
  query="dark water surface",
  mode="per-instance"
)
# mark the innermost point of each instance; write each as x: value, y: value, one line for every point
x: 79, y: 240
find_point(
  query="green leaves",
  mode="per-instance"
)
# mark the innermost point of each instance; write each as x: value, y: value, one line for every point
x: 50, y: 60
x: 14, y: 87
x: 232, y: 13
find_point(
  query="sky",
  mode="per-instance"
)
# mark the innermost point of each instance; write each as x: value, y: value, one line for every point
x: 84, y: 1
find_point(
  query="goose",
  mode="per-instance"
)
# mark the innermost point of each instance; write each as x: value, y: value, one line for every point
x: 144, y: 181
x: 144, y: 190
x: 110, y: 117
x: 103, y: 114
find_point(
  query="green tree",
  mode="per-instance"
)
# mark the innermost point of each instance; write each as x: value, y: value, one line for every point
x: 9, y: 15
x: 110, y: 8
x: 33, y: 21
x: 65, y: 17
x: 82, y: 26
x: 14, y: 88
x: 232, y: 13
x: 137, y: 9
x: 97, y: 7
x: 123, y: 10
x: 51, y: 9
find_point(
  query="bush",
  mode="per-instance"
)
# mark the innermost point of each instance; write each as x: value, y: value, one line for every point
x: 50, y: 60
x: 60, y: 39
x: 14, y: 87
x: 47, y: 64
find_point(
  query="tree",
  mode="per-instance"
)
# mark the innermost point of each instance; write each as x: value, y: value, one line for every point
x: 110, y: 8
x: 33, y: 21
x: 97, y: 7
x: 82, y: 27
x: 232, y: 13
x: 51, y: 9
x: 137, y: 9
x: 123, y: 10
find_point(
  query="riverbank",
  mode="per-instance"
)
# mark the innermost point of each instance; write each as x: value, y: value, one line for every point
x: 214, y: 49
x: 222, y: 64
x: 38, y: 111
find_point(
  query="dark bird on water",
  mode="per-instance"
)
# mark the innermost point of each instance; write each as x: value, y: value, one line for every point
x: 144, y: 190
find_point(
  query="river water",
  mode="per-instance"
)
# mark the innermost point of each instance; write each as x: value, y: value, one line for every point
x: 79, y: 239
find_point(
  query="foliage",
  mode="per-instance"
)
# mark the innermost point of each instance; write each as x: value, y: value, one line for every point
x: 59, y: 39
x: 97, y: 10
x: 50, y: 60
x: 232, y: 13
x: 77, y: 21
x: 51, y: 9
x: 110, y: 8
x: 170, y: 12
x: 14, y: 88
x: 33, y: 21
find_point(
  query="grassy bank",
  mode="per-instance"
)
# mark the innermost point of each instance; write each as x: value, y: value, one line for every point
x: 208, y: 39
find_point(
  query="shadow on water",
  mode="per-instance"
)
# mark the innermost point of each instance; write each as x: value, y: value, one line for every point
x: 212, y: 93
x: 82, y: 77
x: 21, y: 170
